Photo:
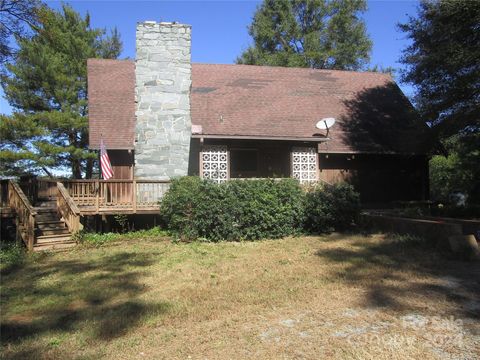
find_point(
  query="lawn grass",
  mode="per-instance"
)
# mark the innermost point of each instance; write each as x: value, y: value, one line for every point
x: 337, y: 296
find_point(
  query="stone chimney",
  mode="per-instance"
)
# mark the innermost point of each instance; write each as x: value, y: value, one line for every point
x: 162, y: 91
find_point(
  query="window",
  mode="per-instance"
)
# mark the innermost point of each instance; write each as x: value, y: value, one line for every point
x: 304, y: 164
x: 215, y: 163
x: 244, y: 162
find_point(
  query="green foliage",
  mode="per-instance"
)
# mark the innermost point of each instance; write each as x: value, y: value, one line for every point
x: 96, y: 239
x: 235, y: 210
x: 443, y: 63
x: 16, y: 18
x: 443, y: 176
x: 332, y: 207
x: 122, y: 220
x: 11, y: 255
x: 47, y: 85
x: 322, y: 34
x: 255, y: 209
x: 459, y: 170
x: 383, y: 69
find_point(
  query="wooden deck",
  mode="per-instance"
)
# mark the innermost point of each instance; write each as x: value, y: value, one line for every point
x: 48, y: 213
x: 110, y: 197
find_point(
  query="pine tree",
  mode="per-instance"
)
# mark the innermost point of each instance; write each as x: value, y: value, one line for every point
x: 17, y: 17
x: 443, y: 64
x: 322, y: 34
x: 47, y: 86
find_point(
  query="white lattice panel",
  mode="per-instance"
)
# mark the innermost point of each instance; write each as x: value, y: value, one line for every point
x: 215, y: 163
x: 304, y: 164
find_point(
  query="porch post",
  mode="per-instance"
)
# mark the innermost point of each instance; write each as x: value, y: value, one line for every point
x: 97, y: 197
x: 134, y: 194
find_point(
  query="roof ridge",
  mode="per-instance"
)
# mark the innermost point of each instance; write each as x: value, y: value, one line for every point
x: 296, y: 68
x: 109, y: 60
x: 257, y: 66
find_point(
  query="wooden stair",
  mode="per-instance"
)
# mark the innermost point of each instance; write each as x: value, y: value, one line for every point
x: 51, y: 232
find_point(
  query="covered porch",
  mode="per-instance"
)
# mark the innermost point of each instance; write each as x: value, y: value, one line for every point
x: 228, y: 159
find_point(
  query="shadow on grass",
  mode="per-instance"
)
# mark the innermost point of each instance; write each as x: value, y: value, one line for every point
x: 395, y: 271
x: 94, y: 296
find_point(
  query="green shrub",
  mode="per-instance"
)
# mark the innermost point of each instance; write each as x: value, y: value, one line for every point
x: 267, y: 208
x: 332, y: 207
x: 235, y: 210
x: 179, y: 205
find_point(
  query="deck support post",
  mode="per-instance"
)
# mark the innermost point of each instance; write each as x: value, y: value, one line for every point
x: 97, y: 197
x: 18, y: 235
x: 134, y: 194
x: 31, y: 232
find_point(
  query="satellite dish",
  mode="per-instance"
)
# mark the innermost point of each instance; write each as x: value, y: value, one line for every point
x: 325, y: 123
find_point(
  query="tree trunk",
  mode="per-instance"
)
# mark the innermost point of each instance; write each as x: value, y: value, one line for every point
x: 49, y: 174
x: 76, y: 169
x: 89, y: 169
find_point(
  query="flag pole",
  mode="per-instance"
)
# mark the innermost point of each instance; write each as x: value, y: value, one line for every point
x: 99, y: 156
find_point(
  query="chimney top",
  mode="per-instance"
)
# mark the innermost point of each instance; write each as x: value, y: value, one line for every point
x: 163, y: 23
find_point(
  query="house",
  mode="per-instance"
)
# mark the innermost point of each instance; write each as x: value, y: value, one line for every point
x: 162, y: 117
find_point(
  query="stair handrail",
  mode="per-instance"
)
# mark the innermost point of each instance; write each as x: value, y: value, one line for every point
x: 68, y: 209
x: 24, y: 214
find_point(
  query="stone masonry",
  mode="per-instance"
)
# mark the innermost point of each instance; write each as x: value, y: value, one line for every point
x: 162, y: 91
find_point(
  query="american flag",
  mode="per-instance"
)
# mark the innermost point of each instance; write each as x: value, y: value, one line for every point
x: 107, y: 171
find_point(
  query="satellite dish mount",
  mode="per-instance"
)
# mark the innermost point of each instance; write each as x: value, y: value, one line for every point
x: 325, y: 124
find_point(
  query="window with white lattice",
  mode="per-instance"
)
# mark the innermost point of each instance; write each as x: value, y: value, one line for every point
x: 304, y: 164
x: 215, y: 163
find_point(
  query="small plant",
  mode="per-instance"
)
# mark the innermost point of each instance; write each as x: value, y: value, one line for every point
x: 122, y: 220
x: 78, y: 236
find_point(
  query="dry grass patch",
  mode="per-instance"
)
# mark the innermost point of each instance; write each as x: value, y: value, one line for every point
x: 338, y: 296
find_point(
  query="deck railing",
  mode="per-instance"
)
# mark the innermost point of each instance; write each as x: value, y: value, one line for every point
x: 25, y: 214
x: 68, y: 209
x: 108, y: 195
x: 47, y: 189
x: 35, y: 189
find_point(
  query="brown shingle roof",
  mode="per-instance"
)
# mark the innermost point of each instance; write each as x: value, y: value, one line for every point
x: 111, y: 103
x: 243, y: 100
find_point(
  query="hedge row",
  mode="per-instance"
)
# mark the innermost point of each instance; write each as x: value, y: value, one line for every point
x: 255, y: 209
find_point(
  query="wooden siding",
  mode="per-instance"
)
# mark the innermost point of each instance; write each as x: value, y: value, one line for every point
x: 379, y: 178
x: 122, y: 163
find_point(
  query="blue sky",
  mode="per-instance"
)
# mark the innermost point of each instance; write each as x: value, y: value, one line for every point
x: 219, y: 28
